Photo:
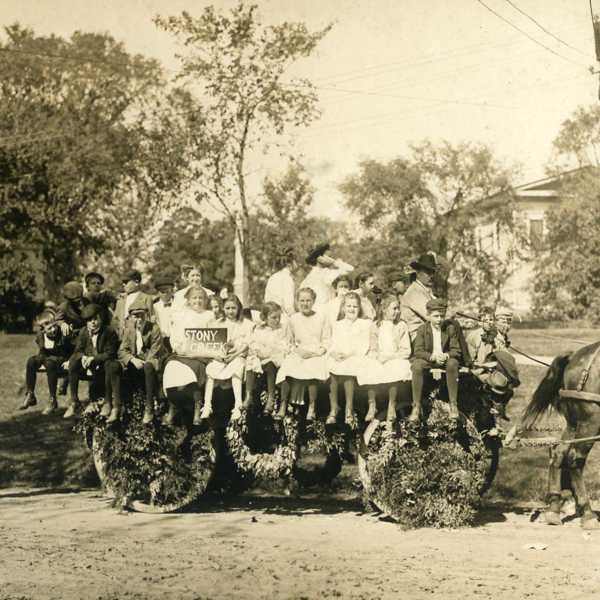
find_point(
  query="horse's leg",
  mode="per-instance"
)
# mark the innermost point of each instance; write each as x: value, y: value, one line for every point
x: 557, y: 461
x: 577, y: 459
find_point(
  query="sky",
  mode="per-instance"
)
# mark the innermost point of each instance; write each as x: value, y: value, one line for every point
x: 394, y: 72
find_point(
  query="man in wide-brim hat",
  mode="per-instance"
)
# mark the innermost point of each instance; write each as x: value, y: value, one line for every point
x: 134, y: 298
x: 419, y: 293
x: 95, y: 292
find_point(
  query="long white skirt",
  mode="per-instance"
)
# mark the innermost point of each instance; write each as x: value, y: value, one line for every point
x: 253, y: 363
x: 303, y: 368
x: 350, y: 367
x: 373, y: 372
x: 222, y: 371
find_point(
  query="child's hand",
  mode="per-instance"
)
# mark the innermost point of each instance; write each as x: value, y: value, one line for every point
x: 137, y: 363
x: 65, y: 328
x: 304, y: 353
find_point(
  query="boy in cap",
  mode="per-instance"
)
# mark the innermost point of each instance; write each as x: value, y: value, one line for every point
x: 95, y: 293
x: 414, y: 302
x: 435, y: 346
x: 68, y: 314
x: 54, y: 349
x: 504, y: 318
x: 133, y: 298
x: 139, y: 354
x: 163, y: 307
x: 96, y: 348
x: 482, y: 340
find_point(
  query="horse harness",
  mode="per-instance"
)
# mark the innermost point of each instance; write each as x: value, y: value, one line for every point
x: 579, y: 393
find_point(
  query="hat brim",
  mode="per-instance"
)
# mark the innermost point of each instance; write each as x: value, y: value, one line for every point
x: 96, y: 275
x: 421, y: 267
x: 311, y: 259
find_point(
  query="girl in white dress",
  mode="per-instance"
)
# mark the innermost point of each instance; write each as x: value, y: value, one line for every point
x: 387, y: 363
x: 306, y: 364
x: 350, y: 339
x: 183, y: 367
x: 267, y: 349
x: 229, y: 368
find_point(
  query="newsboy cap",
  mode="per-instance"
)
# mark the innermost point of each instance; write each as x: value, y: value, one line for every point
x: 132, y: 275
x: 436, y: 304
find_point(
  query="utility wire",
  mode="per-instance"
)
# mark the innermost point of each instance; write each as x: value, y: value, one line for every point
x: 544, y: 29
x: 511, y: 24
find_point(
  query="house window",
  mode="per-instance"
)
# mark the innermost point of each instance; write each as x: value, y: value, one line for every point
x: 536, y: 233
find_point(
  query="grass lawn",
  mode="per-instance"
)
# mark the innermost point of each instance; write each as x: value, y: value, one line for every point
x: 44, y: 451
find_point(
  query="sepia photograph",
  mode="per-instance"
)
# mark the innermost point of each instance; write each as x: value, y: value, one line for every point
x: 299, y: 299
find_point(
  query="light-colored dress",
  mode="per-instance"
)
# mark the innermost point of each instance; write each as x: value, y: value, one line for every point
x: 267, y: 345
x: 349, y: 337
x: 239, y: 334
x: 309, y: 333
x: 391, y: 343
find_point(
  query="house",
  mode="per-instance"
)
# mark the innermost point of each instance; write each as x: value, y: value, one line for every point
x: 533, y: 200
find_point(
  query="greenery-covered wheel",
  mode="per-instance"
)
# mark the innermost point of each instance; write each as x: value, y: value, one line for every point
x: 150, y: 468
x: 262, y: 447
x: 430, y: 476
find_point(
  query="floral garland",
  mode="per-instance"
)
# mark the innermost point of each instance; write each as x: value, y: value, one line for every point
x: 149, y: 467
x: 424, y: 477
x: 263, y: 465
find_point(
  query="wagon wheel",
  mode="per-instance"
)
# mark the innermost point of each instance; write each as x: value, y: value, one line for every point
x: 486, y: 458
x: 262, y: 448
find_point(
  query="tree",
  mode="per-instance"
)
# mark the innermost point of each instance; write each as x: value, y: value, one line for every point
x: 78, y: 126
x: 238, y: 66
x: 437, y: 199
x: 578, y: 140
x: 567, y: 269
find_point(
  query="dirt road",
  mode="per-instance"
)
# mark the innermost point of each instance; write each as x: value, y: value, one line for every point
x: 74, y: 546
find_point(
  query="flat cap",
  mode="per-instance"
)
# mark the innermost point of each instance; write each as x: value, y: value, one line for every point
x: 90, y: 311
x: 437, y: 304
x: 92, y: 274
x: 132, y: 275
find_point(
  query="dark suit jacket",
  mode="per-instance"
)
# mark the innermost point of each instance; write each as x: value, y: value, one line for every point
x: 423, y: 343
x: 152, y: 344
x: 108, y: 345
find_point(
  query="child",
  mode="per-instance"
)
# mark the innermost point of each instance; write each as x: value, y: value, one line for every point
x: 365, y: 284
x: 350, y: 338
x: 139, y: 354
x: 215, y: 303
x: 134, y: 298
x: 54, y: 349
x: 306, y: 364
x: 230, y: 366
x: 435, y: 347
x: 193, y: 314
x: 481, y: 341
x: 95, y: 350
x: 266, y: 351
x: 342, y: 285
x: 389, y: 354
x: 163, y: 307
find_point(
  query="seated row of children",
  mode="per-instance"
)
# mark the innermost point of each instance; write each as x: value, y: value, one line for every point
x: 142, y: 335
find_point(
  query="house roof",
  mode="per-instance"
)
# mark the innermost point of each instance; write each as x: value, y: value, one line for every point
x: 549, y: 187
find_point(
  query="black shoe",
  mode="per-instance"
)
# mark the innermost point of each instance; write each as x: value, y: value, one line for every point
x: 29, y: 400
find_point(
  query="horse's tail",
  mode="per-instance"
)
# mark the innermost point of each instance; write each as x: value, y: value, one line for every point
x: 546, y: 393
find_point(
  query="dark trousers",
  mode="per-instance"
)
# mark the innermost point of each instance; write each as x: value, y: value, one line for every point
x: 147, y: 376
x: 52, y: 365
x: 419, y: 371
x: 103, y: 376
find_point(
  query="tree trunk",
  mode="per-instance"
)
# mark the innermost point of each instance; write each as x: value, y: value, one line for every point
x: 241, y: 279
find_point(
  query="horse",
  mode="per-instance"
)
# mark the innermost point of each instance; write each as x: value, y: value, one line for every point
x: 572, y: 387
